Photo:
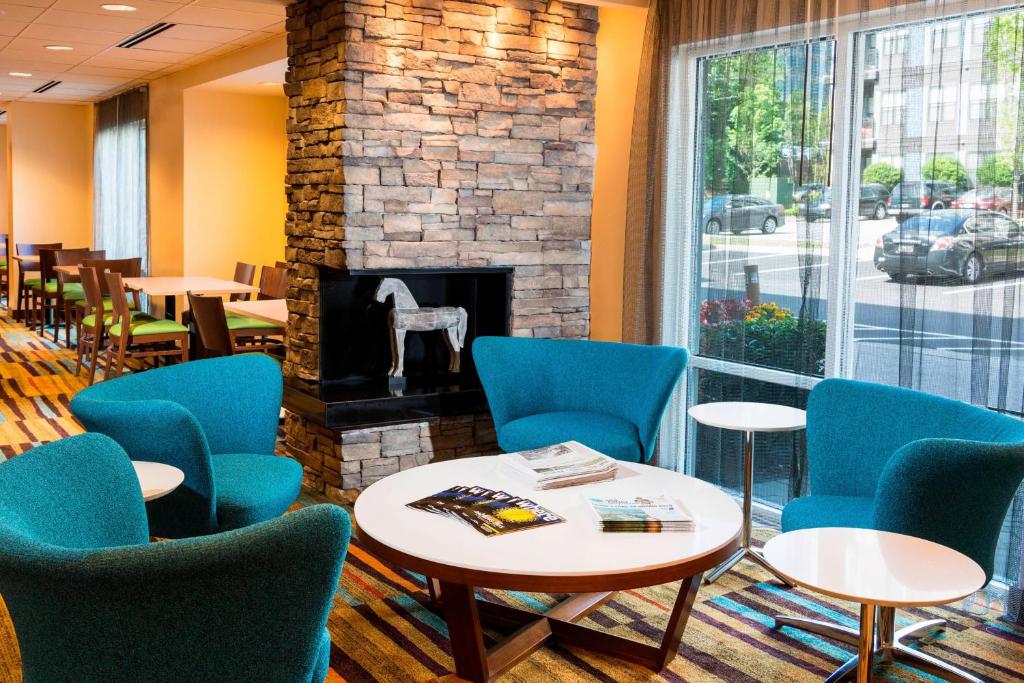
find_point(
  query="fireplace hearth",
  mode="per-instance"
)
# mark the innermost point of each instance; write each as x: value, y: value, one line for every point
x: 355, y: 390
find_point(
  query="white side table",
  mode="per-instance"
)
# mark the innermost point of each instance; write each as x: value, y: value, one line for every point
x: 879, y: 570
x: 748, y: 418
x: 157, y: 479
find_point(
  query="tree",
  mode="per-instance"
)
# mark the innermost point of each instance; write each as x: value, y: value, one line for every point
x: 1002, y: 42
x: 945, y: 169
x: 996, y: 171
x: 883, y: 174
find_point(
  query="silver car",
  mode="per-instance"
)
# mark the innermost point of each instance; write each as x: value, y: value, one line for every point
x: 737, y: 213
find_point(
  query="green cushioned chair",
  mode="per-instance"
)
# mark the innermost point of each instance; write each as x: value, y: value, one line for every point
x: 610, y: 397
x: 93, y: 601
x: 216, y: 420
x: 242, y: 322
x: 893, y: 459
x: 143, y: 324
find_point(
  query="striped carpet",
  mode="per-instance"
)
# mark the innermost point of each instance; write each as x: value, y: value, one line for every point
x: 381, y: 630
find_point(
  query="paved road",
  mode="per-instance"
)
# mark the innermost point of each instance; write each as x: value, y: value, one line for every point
x: 964, y: 338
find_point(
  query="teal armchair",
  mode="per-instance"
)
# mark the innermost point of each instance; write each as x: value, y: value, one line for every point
x: 92, y: 601
x: 893, y: 459
x: 608, y: 396
x: 216, y: 420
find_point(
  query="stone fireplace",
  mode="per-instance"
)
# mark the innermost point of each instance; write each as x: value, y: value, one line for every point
x: 433, y: 134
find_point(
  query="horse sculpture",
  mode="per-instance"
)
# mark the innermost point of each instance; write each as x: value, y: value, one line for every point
x: 407, y: 316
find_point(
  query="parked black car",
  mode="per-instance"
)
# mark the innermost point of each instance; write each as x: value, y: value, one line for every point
x: 912, y: 197
x: 874, y: 200
x: 739, y: 212
x: 808, y: 192
x: 961, y: 243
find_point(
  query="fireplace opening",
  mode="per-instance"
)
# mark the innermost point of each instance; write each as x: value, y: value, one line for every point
x: 356, y: 354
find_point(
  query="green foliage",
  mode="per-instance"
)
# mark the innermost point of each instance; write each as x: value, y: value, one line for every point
x: 1002, y: 43
x: 765, y: 335
x: 945, y: 169
x: 996, y: 171
x: 883, y: 174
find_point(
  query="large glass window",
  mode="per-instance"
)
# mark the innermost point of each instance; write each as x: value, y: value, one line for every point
x: 911, y: 228
x: 765, y: 151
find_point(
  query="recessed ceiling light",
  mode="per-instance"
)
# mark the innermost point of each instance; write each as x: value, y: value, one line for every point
x: 59, y: 48
x: 118, y: 8
x: 19, y: 74
x: 271, y: 83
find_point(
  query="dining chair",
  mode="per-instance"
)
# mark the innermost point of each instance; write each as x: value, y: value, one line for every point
x: 69, y: 287
x: 46, y: 294
x: 138, y: 335
x: 28, y: 276
x: 210, y: 322
x: 92, y: 600
x: 94, y: 319
x: 259, y: 335
x: 608, y: 396
x: 129, y: 267
x: 244, y: 274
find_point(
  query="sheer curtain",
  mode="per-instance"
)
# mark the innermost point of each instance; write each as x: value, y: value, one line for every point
x: 785, y: 154
x: 121, y: 216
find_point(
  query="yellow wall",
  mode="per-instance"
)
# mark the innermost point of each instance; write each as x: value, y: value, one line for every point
x: 5, y: 182
x: 235, y: 151
x: 619, y: 41
x: 167, y: 148
x: 51, y: 173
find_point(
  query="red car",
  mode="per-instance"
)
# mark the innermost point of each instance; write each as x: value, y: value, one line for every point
x: 988, y: 198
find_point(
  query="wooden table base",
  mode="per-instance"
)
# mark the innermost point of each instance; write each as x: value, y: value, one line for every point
x: 473, y: 662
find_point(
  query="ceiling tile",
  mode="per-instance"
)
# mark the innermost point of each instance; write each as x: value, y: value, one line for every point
x: 69, y: 35
x: 165, y: 43
x: 124, y: 25
x: 212, y: 34
x: 145, y: 10
x: 19, y: 12
x: 45, y: 58
x: 38, y: 45
x: 274, y: 8
x: 107, y: 71
x: 11, y: 28
x: 28, y: 3
x: 222, y: 18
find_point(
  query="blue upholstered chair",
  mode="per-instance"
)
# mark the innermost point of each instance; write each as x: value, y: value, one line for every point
x: 216, y: 420
x: 892, y: 459
x: 92, y: 601
x: 608, y: 396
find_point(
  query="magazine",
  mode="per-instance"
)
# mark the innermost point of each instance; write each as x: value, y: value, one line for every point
x: 640, y: 514
x: 564, y: 464
x: 491, y: 513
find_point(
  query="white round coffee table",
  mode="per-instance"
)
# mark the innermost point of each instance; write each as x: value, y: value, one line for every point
x: 879, y: 570
x: 157, y: 479
x: 748, y: 418
x: 569, y: 557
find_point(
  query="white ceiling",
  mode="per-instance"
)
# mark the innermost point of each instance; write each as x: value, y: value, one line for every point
x: 95, y: 67
x: 263, y: 80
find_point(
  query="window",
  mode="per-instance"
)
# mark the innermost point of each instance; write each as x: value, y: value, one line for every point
x: 891, y: 111
x: 764, y: 146
x: 895, y: 42
x: 848, y: 289
x: 942, y: 103
x: 121, y: 216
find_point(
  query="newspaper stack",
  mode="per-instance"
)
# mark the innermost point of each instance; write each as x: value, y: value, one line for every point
x: 565, y: 464
x: 646, y: 514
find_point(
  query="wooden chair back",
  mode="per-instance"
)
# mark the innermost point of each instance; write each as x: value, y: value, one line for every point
x: 127, y: 267
x: 273, y: 283
x: 118, y: 299
x: 73, y: 257
x: 244, y: 274
x: 93, y: 292
x: 207, y: 313
x: 48, y: 259
x: 33, y: 249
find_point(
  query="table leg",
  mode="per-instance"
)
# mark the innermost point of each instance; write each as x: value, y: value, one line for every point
x: 464, y: 632
x: 866, y: 649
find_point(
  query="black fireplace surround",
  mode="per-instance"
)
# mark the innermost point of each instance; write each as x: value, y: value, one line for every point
x: 355, y: 348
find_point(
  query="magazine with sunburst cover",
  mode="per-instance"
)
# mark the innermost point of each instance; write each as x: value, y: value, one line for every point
x: 492, y: 513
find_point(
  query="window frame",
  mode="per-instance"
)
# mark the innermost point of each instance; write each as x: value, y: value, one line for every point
x: 682, y: 261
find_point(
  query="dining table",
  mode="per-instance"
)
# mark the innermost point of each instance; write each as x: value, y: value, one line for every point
x: 172, y: 287
x: 274, y: 311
